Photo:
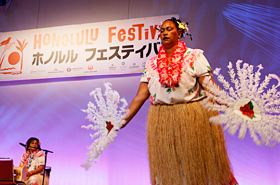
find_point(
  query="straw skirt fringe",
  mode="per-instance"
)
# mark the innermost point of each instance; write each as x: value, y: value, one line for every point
x: 184, y: 147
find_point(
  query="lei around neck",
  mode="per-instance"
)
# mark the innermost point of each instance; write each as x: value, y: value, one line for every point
x: 169, y: 74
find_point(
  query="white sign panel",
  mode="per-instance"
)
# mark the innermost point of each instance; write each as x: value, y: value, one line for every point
x: 102, y: 48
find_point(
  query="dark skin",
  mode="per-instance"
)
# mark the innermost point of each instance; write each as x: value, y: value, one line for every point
x: 169, y: 35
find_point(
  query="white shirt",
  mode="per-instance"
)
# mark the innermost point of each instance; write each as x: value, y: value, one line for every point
x: 195, y: 65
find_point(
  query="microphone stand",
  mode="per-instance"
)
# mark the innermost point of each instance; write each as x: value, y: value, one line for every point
x: 46, y: 152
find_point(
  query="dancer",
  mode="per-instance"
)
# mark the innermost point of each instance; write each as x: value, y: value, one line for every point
x: 34, y: 159
x: 183, y: 146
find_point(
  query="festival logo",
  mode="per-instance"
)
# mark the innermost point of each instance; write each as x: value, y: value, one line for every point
x: 11, y: 56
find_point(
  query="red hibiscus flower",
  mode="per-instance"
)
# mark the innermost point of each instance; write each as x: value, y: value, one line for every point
x: 151, y: 100
x: 109, y: 126
x: 247, y: 110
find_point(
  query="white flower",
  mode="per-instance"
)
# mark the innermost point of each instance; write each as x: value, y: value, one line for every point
x: 217, y: 71
x: 108, y: 116
x: 246, y: 105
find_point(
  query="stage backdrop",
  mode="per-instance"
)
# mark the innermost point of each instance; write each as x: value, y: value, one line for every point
x: 50, y: 108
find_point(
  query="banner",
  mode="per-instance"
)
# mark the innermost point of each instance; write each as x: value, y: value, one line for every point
x: 102, y: 48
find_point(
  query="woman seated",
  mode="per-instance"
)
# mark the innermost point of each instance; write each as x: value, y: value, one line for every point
x: 34, y: 159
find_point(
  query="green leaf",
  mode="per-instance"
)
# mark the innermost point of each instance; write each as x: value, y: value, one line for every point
x: 251, y: 105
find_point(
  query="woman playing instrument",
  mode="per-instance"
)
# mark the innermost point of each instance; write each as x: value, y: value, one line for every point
x: 34, y: 159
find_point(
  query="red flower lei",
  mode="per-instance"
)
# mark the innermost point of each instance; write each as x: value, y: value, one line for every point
x: 169, y: 75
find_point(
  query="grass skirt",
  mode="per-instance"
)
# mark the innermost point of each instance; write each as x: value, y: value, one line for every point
x: 184, y: 147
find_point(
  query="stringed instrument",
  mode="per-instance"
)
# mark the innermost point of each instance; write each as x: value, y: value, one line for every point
x: 20, y: 173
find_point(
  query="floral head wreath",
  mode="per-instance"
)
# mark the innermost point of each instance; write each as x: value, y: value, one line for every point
x: 180, y: 26
x: 185, y: 29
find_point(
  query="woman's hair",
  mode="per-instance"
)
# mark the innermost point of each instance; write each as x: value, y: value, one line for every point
x: 173, y: 19
x: 30, y: 140
x: 182, y: 27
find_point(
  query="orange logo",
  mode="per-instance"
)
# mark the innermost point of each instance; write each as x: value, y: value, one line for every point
x: 11, y: 57
x: 90, y: 67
